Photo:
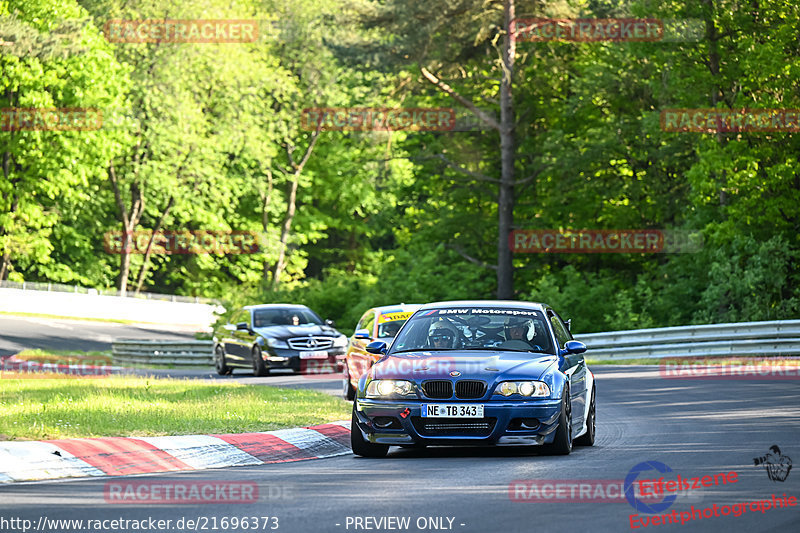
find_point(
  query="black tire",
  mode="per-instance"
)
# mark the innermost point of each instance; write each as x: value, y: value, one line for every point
x: 348, y: 392
x: 363, y: 447
x: 562, y: 443
x: 219, y: 361
x: 259, y: 365
x: 587, y: 439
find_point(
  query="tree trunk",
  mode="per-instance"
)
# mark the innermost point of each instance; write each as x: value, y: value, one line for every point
x: 129, y: 221
x: 266, y: 199
x: 505, y: 198
x: 5, y: 264
x: 291, y: 206
x: 291, y: 203
x: 712, y: 38
x: 146, y: 260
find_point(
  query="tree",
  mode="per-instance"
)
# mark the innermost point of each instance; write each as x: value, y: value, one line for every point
x: 42, y: 166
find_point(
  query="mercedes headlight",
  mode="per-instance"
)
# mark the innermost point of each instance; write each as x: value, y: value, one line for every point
x: 387, y: 388
x: 340, y: 342
x: 536, y: 389
x: 276, y: 343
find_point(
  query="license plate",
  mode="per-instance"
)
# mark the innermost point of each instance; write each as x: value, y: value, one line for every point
x: 451, y: 410
x: 318, y: 354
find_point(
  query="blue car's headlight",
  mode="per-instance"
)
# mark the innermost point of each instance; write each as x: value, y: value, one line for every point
x: 535, y: 389
x: 387, y: 388
x: 275, y: 343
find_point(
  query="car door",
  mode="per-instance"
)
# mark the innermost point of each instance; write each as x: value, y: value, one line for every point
x: 237, y: 345
x: 360, y: 359
x: 574, y: 365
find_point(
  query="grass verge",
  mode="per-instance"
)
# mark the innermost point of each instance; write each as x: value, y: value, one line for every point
x: 66, y: 357
x: 123, y: 406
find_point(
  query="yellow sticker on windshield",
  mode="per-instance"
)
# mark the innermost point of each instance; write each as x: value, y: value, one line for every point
x: 391, y: 317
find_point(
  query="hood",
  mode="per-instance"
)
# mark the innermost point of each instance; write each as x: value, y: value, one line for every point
x: 288, y: 332
x: 487, y: 366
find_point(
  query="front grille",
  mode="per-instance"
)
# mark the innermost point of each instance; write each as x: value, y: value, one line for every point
x: 467, y: 427
x: 469, y: 389
x: 438, y: 388
x: 311, y: 343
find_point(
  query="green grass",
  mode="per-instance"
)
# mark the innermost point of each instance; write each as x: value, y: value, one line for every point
x: 65, y: 356
x: 43, y: 408
x: 93, y: 358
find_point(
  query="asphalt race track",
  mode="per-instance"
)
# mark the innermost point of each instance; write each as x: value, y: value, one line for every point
x: 696, y: 427
x: 20, y: 332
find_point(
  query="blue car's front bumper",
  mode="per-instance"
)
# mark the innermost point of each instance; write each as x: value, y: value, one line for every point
x: 383, y: 422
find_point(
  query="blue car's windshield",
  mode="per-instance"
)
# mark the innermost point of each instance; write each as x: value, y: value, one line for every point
x: 475, y: 328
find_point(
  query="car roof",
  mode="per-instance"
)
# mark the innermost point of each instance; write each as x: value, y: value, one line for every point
x: 274, y: 306
x: 398, y: 308
x: 512, y: 304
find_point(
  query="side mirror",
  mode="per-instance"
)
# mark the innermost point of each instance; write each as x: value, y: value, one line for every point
x: 329, y: 322
x: 362, y: 334
x: 569, y: 325
x: 242, y: 325
x: 229, y: 327
x: 377, y: 347
x: 575, y: 347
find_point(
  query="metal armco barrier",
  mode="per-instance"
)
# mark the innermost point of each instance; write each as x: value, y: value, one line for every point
x: 753, y: 339
x: 178, y: 353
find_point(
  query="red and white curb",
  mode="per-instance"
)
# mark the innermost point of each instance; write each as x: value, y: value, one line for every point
x: 119, y: 456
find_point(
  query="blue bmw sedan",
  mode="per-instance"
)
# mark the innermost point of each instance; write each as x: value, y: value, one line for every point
x: 476, y: 373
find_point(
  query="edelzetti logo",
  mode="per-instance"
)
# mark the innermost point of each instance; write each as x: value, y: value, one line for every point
x: 776, y: 464
x: 634, y: 500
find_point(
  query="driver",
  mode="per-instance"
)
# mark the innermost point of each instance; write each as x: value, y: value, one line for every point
x: 391, y: 329
x: 442, y: 336
x: 517, y: 330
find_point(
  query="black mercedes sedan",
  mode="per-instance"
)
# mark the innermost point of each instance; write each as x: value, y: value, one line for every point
x: 269, y: 336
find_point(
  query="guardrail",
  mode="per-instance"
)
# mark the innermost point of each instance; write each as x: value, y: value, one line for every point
x: 177, y: 353
x: 763, y: 339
